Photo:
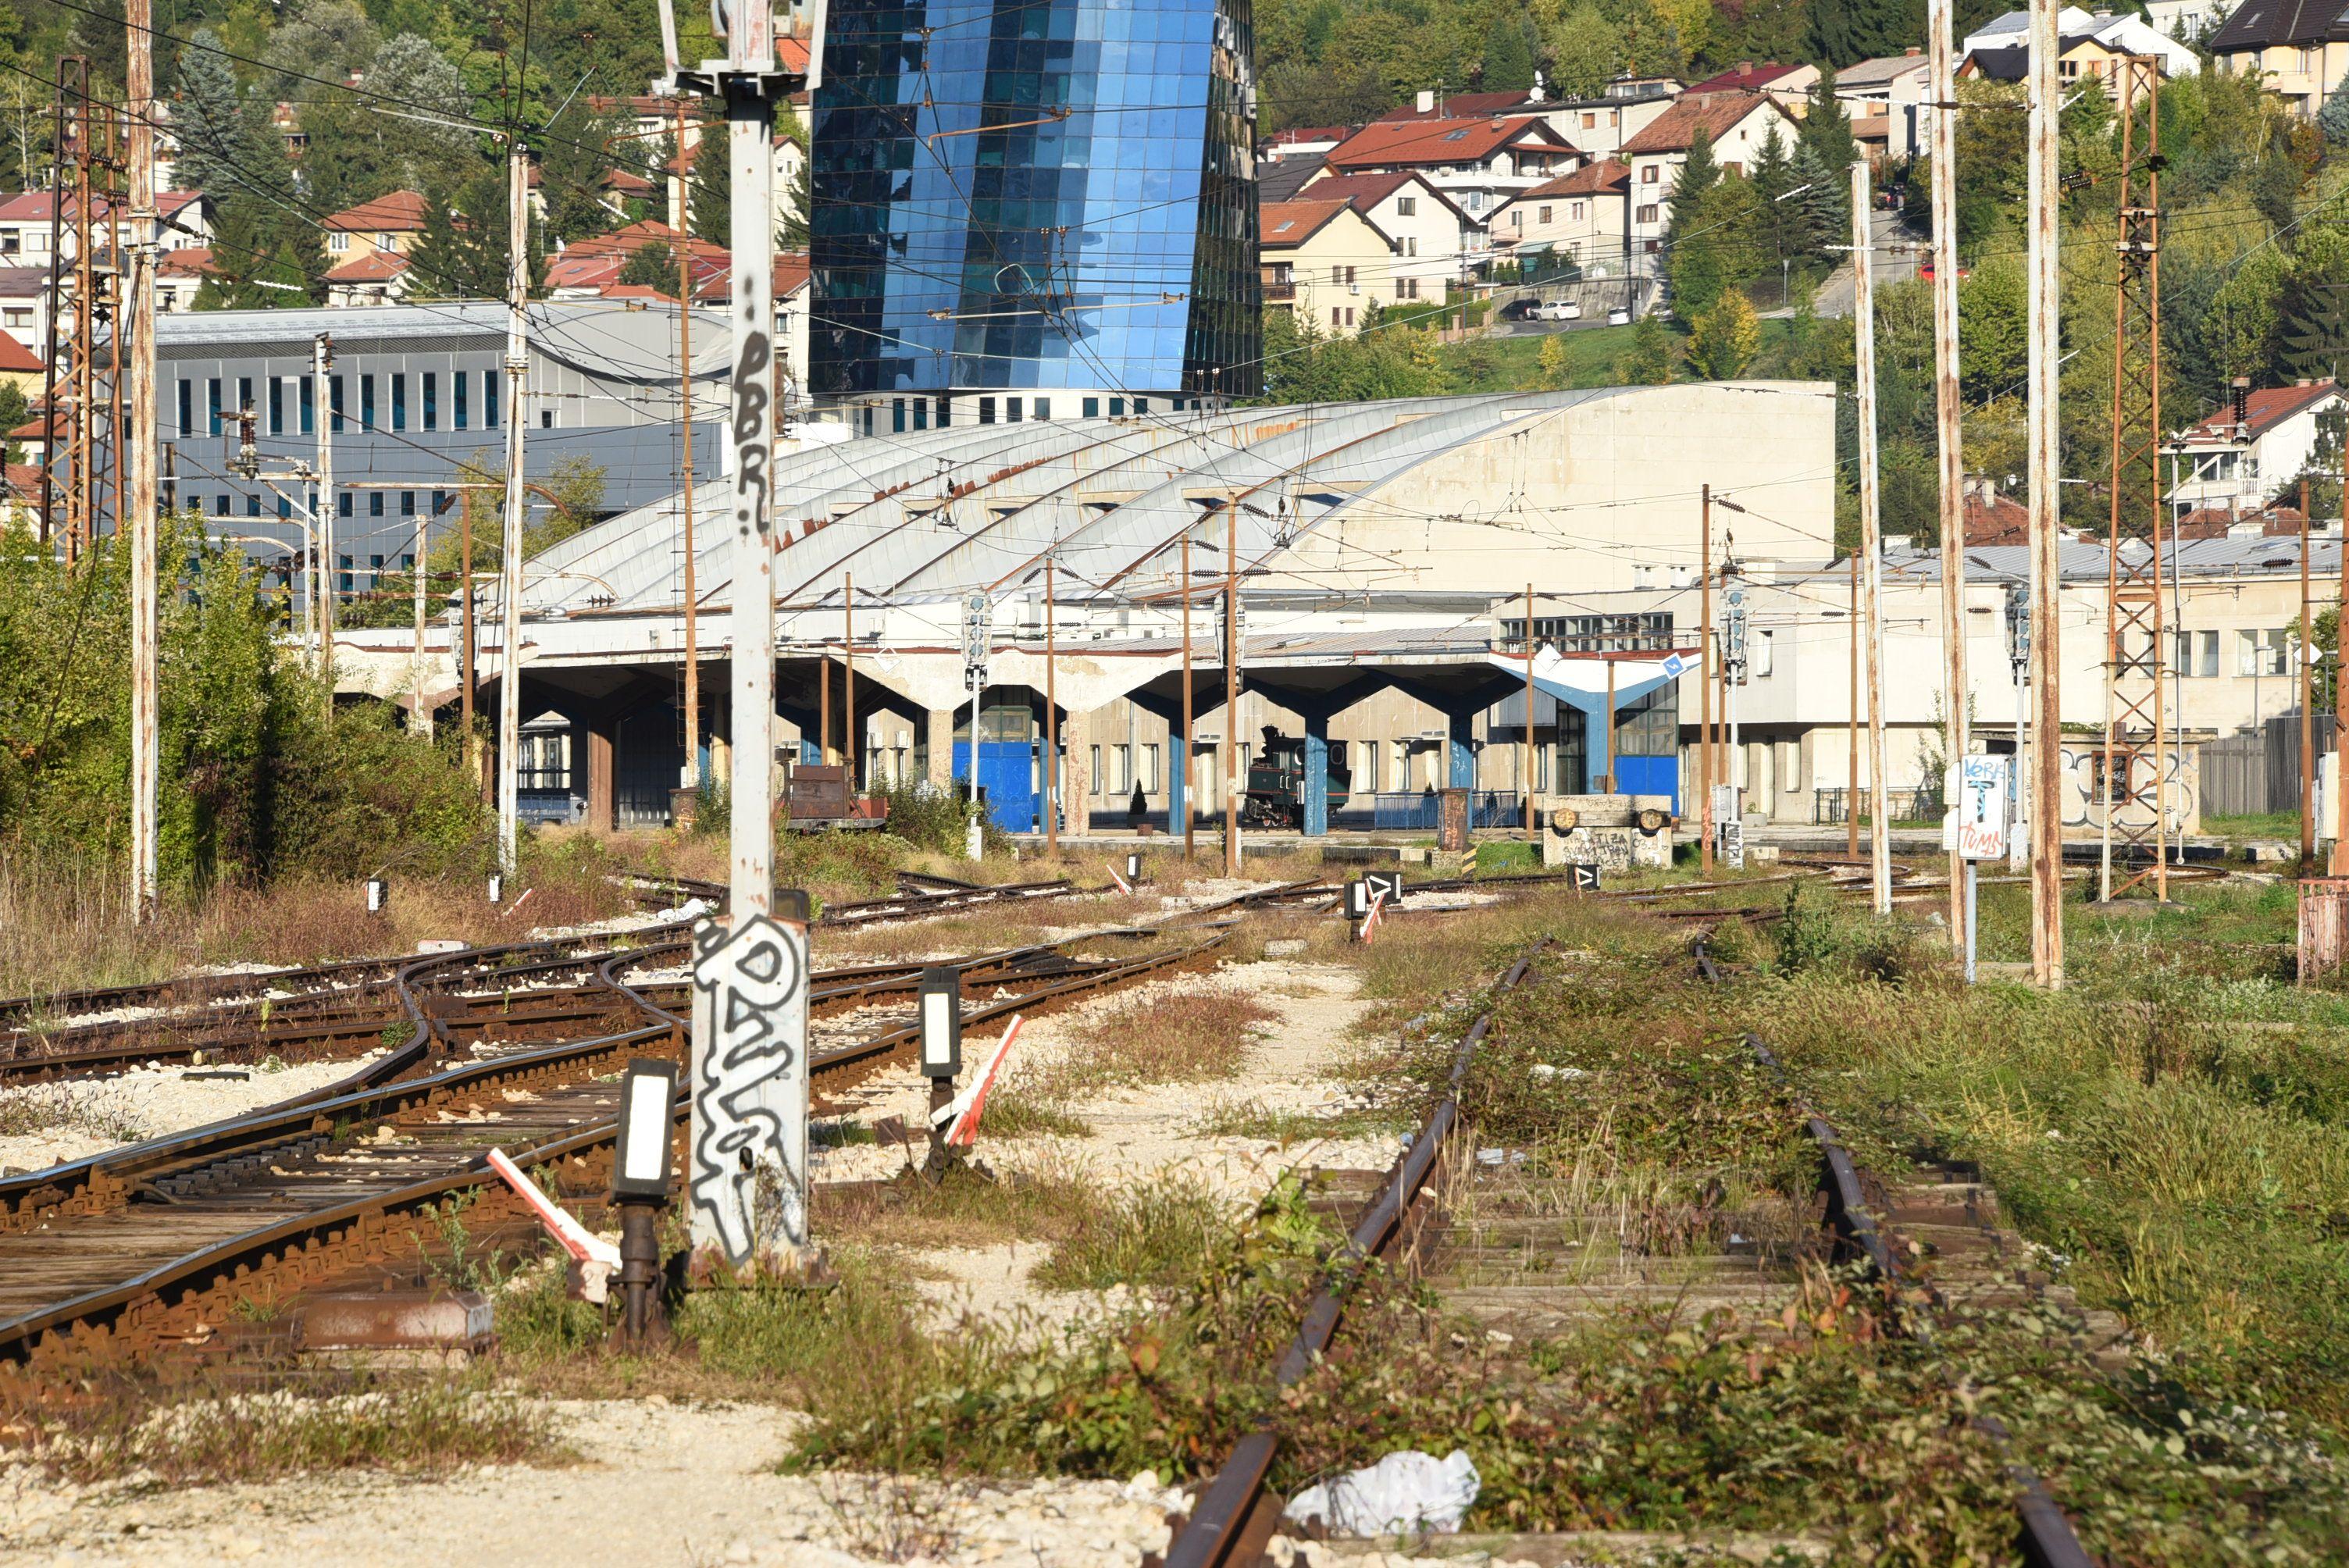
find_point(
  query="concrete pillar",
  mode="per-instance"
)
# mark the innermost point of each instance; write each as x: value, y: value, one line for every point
x: 1599, y: 749
x: 1076, y: 771
x: 1462, y: 727
x: 939, y: 738
x: 1317, y: 774
x: 602, y: 802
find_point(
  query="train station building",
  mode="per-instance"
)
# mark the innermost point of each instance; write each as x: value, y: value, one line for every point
x: 1387, y: 558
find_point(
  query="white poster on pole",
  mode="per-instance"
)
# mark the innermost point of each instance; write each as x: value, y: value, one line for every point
x: 1983, y: 785
x: 749, y: 1131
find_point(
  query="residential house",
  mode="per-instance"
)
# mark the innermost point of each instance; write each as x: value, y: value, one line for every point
x: 2080, y: 57
x: 20, y: 368
x: 1281, y: 181
x: 1596, y: 127
x: 24, y: 306
x: 1788, y: 86
x: 1738, y: 123
x: 2189, y: 20
x: 1434, y: 240
x: 2298, y: 51
x: 1477, y: 163
x: 368, y: 248
x: 1584, y: 217
x: 1309, y: 141
x: 25, y: 220
x: 1324, y: 262
x: 2232, y: 461
x: 2125, y: 34
x: 1893, y: 90
x: 590, y: 268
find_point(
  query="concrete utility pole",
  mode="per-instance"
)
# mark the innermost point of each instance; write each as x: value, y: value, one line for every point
x: 146, y: 758
x: 2046, y: 455
x: 1235, y: 770
x: 469, y: 671
x: 685, y: 472
x: 850, y: 746
x: 1190, y: 808
x: 510, y: 561
x: 1863, y: 274
x: 1051, y: 721
x: 2340, y: 858
x: 322, y: 582
x: 2018, y: 657
x: 1940, y: 30
x: 1525, y: 750
x: 2307, y: 714
x: 1704, y: 681
x: 1851, y: 728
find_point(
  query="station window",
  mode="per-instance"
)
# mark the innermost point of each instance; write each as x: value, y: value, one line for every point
x: 456, y: 410
x: 399, y: 400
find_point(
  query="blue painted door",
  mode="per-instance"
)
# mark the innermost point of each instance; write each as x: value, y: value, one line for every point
x: 1006, y: 772
x: 1650, y: 776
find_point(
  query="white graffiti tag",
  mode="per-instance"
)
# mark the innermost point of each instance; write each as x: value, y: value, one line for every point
x: 749, y: 1086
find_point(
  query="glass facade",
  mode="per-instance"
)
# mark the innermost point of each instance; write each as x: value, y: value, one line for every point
x: 1045, y: 195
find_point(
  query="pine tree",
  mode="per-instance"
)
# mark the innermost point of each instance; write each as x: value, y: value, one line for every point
x: 265, y: 254
x: 710, y: 189
x: 572, y: 163
x: 1508, y: 54
x: 1781, y: 229
x: 2333, y: 120
x: 2316, y: 333
x: 207, y: 114
x: 1648, y: 361
x: 1698, y: 175
x: 653, y: 265
x: 463, y: 255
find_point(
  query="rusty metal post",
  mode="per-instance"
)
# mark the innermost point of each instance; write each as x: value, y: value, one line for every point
x: 1525, y: 752
x: 469, y: 672
x: 1610, y: 780
x: 78, y: 498
x: 2340, y: 857
x: 824, y: 705
x: 423, y: 715
x: 2047, y: 501
x: 1190, y: 807
x: 1051, y: 720
x: 1235, y: 771
x: 1704, y: 681
x: 517, y: 367
x: 1940, y: 31
x: 68, y: 67
x: 2307, y: 695
x: 322, y: 582
x: 685, y: 408
x: 146, y: 761
x: 1863, y: 274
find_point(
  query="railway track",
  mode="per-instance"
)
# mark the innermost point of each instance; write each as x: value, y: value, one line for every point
x: 1524, y: 1268
x: 154, y: 1246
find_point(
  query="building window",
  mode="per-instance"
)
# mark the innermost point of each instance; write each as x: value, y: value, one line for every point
x: 1589, y: 123
x: 1366, y: 776
x: 1043, y: 409
x: 1092, y: 407
x: 1764, y: 653
x: 338, y: 243
x: 343, y: 503
x: 398, y: 400
x: 987, y: 410
x: 187, y: 407
x: 2195, y: 654
x: 2259, y: 653
x: 1544, y: 215
x: 1121, y: 769
x: 276, y: 405
x: 440, y: 502
x: 244, y: 408
x: 921, y: 413
x: 285, y: 506
x: 897, y: 415
x: 1350, y: 315
x: 367, y: 402
x: 212, y: 404
x: 1012, y: 410
x: 253, y: 504
x: 458, y: 410
x: 488, y: 399
x: 1336, y: 317
x: 307, y: 386
x: 343, y: 569
x: 335, y: 403
x: 408, y: 507
x: 374, y: 504
x: 431, y: 400
x: 1406, y: 206
x: 1648, y: 215
x: 546, y: 419
x: 1116, y: 407
x: 1648, y: 173
x: 1096, y: 774
x: 219, y: 506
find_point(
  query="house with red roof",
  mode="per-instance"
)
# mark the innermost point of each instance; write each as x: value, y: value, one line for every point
x: 25, y: 218
x: 1428, y: 231
x: 2232, y: 461
x: 1737, y: 123
x: 19, y: 368
x: 1476, y: 163
x: 1325, y: 261
x: 1584, y: 217
x: 591, y: 268
x: 1789, y: 86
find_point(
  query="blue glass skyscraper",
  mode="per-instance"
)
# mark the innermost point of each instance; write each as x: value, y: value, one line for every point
x: 1033, y: 208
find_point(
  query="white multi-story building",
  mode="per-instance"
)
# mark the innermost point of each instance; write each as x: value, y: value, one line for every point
x: 1433, y: 240
x: 1479, y: 164
x: 1738, y: 124
x: 2233, y: 461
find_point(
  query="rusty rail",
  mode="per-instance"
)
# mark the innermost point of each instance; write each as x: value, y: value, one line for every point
x: 1234, y: 1515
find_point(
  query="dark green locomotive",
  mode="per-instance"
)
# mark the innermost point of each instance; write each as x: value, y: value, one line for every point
x: 1275, y: 782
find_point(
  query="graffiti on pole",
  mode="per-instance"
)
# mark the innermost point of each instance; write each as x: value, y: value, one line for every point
x: 750, y: 1088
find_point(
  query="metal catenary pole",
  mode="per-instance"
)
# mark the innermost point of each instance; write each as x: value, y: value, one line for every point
x: 470, y: 670
x: 850, y: 746
x: 1704, y: 681
x: 1940, y: 30
x: 1051, y: 720
x: 2018, y: 654
x: 749, y: 88
x: 2045, y: 454
x: 2339, y: 864
x: 1851, y: 726
x: 69, y: 67
x: 517, y: 367
x: 1526, y: 737
x: 1190, y: 807
x: 685, y: 467
x: 1863, y: 274
x: 146, y: 760
x: 321, y: 584
x: 1235, y: 770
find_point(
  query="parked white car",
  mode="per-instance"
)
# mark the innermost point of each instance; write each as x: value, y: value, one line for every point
x: 1559, y: 310
x: 1619, y: 316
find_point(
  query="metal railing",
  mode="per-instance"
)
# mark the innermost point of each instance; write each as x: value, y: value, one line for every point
x: 1918, y: 803
x: 1403, y: 810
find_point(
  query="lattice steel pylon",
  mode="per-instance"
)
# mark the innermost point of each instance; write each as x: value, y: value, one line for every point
x: 2134, y: 790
